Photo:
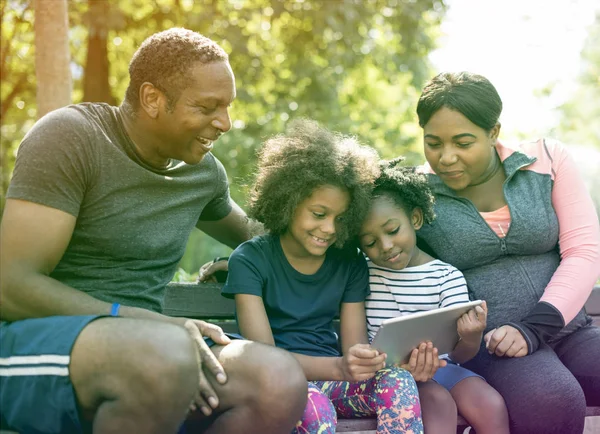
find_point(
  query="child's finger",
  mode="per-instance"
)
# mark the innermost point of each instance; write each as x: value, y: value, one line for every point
x: 480, y: 313
x: 371, y: 361
x: 412, y: 362
x: 428, y: 365
x: 363, y: 351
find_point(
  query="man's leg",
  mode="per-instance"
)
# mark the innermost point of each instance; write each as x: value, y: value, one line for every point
x: 136, y: 376
x: 127, y: 375
x: 265, y: 391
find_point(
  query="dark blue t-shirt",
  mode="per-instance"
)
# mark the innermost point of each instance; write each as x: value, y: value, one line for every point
x: 300, y: 307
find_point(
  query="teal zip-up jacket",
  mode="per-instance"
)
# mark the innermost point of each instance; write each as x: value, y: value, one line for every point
x: 539, y: 276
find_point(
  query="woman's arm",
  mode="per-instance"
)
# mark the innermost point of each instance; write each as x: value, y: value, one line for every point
x: 579, y: 236
x: 579, y: 242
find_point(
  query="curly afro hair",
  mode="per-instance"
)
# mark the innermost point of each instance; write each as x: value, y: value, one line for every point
x: 408, y: 188
x: 293, y: 165
x: 165, y: 58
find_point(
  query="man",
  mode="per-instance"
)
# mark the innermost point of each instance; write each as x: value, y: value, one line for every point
x: 97, y: 216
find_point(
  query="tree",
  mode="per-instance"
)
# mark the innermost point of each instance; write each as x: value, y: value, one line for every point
x: 356, y: 66
x: 580, y: 114
x: 52, y: 56
x: 17, y: 90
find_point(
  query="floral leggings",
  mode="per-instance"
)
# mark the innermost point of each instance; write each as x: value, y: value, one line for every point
x: 391, y: 395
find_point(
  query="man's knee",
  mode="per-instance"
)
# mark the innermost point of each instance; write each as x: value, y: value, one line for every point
x: 265, y: 377
x: 140, y: 361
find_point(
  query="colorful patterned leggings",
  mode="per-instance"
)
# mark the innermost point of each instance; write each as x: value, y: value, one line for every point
x: 391, y: 395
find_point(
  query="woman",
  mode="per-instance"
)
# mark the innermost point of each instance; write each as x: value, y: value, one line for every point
x: 520, y: 225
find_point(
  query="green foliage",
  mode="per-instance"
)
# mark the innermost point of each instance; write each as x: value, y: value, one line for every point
x: 356, y: 66
x: 581, y: 113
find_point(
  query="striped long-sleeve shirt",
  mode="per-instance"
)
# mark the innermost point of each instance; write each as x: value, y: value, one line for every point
x: 413, y: 289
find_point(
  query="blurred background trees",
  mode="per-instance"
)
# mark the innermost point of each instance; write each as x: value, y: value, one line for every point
x: 356, y: 66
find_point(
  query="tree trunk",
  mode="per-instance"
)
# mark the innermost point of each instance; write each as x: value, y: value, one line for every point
x: 52, y: 57
x: 96, y: 87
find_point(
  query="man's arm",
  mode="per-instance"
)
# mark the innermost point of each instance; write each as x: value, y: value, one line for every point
x: 33, y: 239
x: 233, y: 229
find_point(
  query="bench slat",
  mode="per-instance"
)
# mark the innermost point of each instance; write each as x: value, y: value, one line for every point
x: 204, y: 301
x: 197, y: 300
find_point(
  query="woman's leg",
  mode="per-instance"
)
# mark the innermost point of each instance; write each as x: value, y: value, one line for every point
x: 438, y: 407
x: 540, y: 393
x: 391, y: 395
x: 319, y: 415
x: 481, y: 405
x: 580, y: 353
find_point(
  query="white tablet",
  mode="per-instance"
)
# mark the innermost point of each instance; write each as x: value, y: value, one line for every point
x: 399, y: 336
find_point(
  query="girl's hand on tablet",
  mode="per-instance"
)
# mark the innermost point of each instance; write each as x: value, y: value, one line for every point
x: 362, y: 362
x: 471, y: 325
x: 424, y: 362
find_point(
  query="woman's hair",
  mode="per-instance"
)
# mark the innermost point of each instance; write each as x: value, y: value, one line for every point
x: 291, y: 166
x: 406, y: 187
x: 470, y: 94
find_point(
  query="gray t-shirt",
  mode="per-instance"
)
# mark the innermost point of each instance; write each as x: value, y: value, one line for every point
x: 133, y: 220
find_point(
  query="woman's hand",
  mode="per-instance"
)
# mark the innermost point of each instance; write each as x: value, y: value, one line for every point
x: 506, y: 341
x: 206, y: 398
x: 470, y: 326
x: 361, y: 363
x: 424, y: 362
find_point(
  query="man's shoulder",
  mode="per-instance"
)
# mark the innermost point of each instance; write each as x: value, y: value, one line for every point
x: 79, y: 114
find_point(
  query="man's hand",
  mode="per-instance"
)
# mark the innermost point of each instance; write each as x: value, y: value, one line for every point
x: 208, y: 270
x: 424, y: 362
x: 206, y: 399
x: 361, y: 363
x: 506, y: 341
x: 471, y: 325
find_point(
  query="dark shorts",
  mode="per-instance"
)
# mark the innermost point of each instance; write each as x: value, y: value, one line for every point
x: 450, y: 375
x: 36, y: 394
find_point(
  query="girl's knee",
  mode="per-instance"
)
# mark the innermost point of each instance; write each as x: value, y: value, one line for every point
x: 396, y: 378
x: 433, y: 395
x: 475, y: 393
x: 396, y: 386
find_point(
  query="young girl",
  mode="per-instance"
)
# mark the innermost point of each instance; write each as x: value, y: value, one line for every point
x: 311, y: 193
x: 403, y: 280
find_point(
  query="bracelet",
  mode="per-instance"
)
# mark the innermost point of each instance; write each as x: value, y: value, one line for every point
x: 221, y: 258
x: 114, y: 310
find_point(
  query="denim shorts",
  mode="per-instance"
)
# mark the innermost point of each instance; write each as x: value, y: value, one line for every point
x: 450, y: 375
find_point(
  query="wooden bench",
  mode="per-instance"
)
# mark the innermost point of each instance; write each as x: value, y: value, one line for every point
x: 204, y: 301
